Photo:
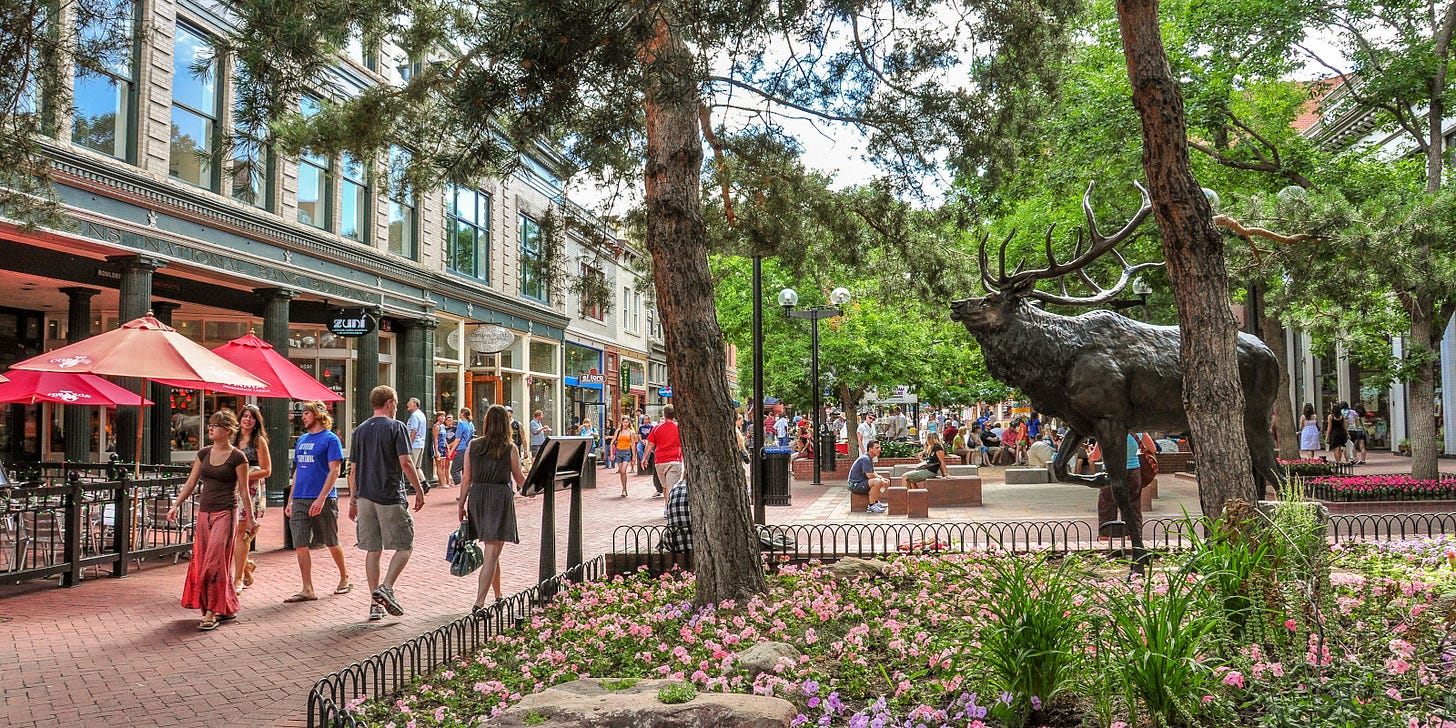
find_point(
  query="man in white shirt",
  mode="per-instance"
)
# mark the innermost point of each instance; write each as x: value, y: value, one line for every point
x: 781, y: 431
x: 865, y: 432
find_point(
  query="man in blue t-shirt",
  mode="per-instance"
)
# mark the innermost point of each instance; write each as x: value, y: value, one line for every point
x: 464, y: 431
x: 864, y: 479
x: 313, y: 504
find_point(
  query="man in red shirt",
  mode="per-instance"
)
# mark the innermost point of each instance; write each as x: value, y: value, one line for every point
x: 664, y: 441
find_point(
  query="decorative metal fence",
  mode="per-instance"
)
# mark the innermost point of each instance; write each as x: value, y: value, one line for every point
x: 90, y: 516
x: 390, y: 671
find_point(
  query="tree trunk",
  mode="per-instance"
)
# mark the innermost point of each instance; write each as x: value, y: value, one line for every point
x: 725, y: 551
x: 1193, y: 248
x: 851, y: 416
x: 1421, y: 407
x: 1271, y: 329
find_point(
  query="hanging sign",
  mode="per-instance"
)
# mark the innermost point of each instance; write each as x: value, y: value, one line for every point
x: 490, y: 338
x: 664, y: 392
x: 350, y: 322
x: 592, y: 377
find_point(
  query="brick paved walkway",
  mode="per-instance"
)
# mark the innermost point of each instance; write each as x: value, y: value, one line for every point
x: 123, y: 652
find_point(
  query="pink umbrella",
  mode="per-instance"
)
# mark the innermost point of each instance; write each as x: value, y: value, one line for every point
x: 88, y: 390
x: 256, y: 355
x: 148, y: 349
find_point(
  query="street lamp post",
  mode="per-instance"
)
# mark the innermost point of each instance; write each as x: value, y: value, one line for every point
x: 789, y: 299
x: 1141, y: 289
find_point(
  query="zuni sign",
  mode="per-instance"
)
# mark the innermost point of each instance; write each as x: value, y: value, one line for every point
x: 350, y: 322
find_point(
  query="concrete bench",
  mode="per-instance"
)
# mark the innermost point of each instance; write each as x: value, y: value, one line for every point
x: 1026, y: 476
x: 1175, y: 462
x: 858, y: 502
x: 918, y: 502
x: 898, y: 499
x: 961, y: 491
x: 895, y: 472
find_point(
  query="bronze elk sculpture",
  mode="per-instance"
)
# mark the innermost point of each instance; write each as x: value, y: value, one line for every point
x: 1101, y: 373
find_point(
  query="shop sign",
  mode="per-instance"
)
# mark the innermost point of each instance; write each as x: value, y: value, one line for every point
x: 664, y: 392
x: 592, y: 378
x: 350, y: 322
x: 490, y: 339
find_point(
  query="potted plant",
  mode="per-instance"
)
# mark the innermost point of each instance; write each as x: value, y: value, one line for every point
x: 1404, y: 446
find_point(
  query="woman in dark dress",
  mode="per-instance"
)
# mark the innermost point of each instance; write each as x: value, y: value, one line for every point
x: 222, y: 471
x: 492, y: 473
x: 252, y: 441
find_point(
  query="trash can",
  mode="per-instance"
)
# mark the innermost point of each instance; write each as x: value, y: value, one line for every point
x: 828, y: 460
x: 776, y: 476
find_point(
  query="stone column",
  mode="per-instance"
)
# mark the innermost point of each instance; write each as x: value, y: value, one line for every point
x: 276, y: 412
x: 415, y: 359
x: 136, y: 300
x: 159, y: 417
x: 366, y: 370
x: 77, y: 420
x: 1447, y: 376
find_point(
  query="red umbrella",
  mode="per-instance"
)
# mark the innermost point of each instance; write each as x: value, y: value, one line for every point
x: 256, y: 355
x: 29, y: 387
x: 147, y: 349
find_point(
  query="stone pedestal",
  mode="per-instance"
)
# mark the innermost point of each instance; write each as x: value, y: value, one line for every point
x: 898, y: 500
x: 918, y: 502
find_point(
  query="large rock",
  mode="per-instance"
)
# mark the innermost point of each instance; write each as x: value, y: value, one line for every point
x: 763, y: 656
x: 587, y: 703
x: 850, y: 567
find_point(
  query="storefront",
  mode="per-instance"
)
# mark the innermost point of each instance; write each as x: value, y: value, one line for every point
x: 585, y: 383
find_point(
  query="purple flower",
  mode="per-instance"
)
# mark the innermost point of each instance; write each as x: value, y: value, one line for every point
x: 810, y: 687
x: 1035, y: 703
x: 813, y: 702
x: 834, y: 703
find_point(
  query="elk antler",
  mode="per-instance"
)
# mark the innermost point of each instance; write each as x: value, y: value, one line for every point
x: 1100, y: 244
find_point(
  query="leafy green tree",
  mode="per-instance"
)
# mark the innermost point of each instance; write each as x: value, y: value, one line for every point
x: 633, y: 90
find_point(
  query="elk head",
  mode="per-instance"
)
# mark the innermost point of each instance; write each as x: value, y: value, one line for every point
x: 1005, y: 294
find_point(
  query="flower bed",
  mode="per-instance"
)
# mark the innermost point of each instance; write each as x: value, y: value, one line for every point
x: 1309, y: 468
x: 986, y: 639
x: 1380, y: 488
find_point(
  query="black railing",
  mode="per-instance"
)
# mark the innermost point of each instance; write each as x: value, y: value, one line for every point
x: 61, y: 528
x: 390, y: 671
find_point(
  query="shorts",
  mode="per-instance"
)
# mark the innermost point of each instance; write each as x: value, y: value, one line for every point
x: 623, y: 456
x: 860, y: 488
x: 314, y: 532
x: 919, y: 475
x: 1357, y: 436
x: 382, y: 527
x: 669, y: 473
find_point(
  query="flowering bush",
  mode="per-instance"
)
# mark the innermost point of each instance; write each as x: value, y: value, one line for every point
x: 1380, y: 487
x: 908, y: 649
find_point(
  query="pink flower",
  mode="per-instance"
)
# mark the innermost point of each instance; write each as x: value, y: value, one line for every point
x: 1289, y: 624
x: 1234, y: 678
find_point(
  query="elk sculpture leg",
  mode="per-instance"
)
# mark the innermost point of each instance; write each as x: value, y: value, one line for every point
x: 1061, y: 465
x: 1113, y: 440
x: 1262, y: 453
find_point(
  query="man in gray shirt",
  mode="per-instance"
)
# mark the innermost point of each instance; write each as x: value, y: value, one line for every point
x: 379, y: 458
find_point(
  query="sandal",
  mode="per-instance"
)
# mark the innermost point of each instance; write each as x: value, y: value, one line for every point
x: 248, y: 572
x: 344, y: 588
x: 296, y: 598
x: 208, y: 623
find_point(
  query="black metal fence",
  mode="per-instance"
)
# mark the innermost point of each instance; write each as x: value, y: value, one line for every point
x: 72, y: 517
x: 389, y: 672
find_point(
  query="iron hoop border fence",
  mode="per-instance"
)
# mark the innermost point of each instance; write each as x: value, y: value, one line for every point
x: 389, y: 672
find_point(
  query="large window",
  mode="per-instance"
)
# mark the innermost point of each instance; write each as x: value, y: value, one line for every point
x: 103, y: 92
x: 250, y: 171
x: 631, y: 314
x: 593, y: 288
x: 467, y: 232
x: 315, y: 179
x: 533, y: 282
x: 195, y: 108
x: 402, y: 216
x: 354, y: 208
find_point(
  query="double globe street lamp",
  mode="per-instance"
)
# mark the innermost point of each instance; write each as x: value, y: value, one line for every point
x: 789, y: 299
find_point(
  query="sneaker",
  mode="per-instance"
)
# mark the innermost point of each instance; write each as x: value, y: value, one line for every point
x: 384, y: 597
x: 376, y: 612
x: 877, y: 508
x: 656, y: 495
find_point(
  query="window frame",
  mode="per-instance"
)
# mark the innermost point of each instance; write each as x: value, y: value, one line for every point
x: 129, y: 95
x: 325, y: 167
x: 480, y: 228
x: 597, y: 312
x: 529, y: 246
x: 406, y: 200
x: 212, y: 181
x: 364, y: 215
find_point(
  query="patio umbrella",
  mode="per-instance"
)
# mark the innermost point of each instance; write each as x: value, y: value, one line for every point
x: 256, y: 355
x: 148, y: 349
x: 88, y: 390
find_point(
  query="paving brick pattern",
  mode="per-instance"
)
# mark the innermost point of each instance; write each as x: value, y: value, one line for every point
x: 123, y: 652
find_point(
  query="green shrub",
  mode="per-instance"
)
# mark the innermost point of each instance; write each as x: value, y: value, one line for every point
x: 1031, y: 647
x: 893, y: 449
x: 624, y: 683
x: 676, y: 692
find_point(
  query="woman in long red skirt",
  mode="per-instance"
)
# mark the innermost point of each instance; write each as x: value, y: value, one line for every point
x: 222, y: 472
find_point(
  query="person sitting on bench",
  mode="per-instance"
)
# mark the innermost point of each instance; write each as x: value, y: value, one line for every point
x: 864, y: 479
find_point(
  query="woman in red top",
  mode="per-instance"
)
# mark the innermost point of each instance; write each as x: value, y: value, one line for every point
x: 222, y: 471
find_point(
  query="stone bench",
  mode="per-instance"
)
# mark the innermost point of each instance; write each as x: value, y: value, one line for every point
x: 1027, y: 476
x: 895, y: 472
x: 959, y: 491
x: 918, y: 502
